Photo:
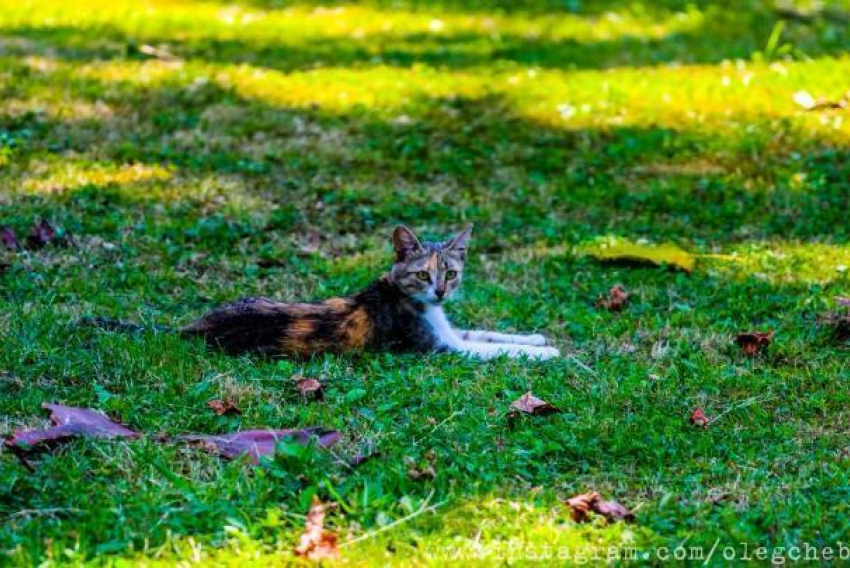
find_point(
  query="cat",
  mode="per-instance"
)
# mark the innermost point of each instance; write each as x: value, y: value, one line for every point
x: 402, y: 311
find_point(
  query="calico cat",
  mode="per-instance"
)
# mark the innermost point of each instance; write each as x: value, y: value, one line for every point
x: 400, y: 311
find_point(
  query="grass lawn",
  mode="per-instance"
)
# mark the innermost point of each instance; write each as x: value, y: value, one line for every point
x: 200, y: 152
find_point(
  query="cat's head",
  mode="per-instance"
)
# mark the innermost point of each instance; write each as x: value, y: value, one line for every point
x: 428, y: 272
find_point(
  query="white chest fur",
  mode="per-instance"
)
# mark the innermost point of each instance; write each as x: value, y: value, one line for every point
x: 436, y: 318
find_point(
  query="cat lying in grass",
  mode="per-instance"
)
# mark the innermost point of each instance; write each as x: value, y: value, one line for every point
x: 401, y: 312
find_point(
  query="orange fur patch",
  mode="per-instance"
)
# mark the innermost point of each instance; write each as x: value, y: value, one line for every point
x: 338, y: 304
x: 356, y: 329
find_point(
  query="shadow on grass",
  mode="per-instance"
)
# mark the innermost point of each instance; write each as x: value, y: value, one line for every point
x: 721, y: 33
x: 450, y: 158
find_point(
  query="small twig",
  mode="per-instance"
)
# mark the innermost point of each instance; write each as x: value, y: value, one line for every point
x: 424, y: 509
x: 582, y: 365
x: 743, y: 404
x: 449, y: 418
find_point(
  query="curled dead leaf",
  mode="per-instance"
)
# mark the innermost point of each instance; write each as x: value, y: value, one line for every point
x: 754, y: 342
x: 316, y: 543
x: 699, y: 419
x: 616, y: 300
x: 258, y: 443
x: 530, y: 404
x: 309, y: 387
x: 581, y: 505
x: 222, y: 407
x: 69, y: 422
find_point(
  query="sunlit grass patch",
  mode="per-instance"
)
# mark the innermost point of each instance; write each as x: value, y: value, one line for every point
x: 293, y: 25
x: 70, y: 176
x: 781, y: 262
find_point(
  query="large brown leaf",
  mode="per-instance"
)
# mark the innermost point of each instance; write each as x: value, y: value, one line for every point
x: 316, y: 543
x: 69, y: 422
x: 258, y: 443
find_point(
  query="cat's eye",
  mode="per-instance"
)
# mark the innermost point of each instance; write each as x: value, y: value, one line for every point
x: 423, y: 275
x: 451, y: 274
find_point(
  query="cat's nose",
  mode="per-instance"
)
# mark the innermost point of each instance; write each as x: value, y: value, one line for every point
x: 440, y: 293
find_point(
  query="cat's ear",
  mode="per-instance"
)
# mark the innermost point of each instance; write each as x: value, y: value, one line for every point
x: 405, y: 243
x: 458, y: 243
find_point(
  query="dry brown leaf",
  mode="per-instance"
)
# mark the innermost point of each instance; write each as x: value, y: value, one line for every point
x: 422, y: 473
x: 699, y: 419
x: 581, y: 505
x: 316, y: 543
x: 616, y: 300
x: 222, y: 407
x: 530, y: 404
x: 309, y: 387
x: 754, y: 342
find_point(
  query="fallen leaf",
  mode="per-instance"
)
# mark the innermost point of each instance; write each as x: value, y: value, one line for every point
x: 530, y: 404
x: 316, y: 543
x: 699, y: 419
x: 309, y: 387
x: 581, y: 505
x: 625, y: 252
x: 258, y: 443
x: 41, y: 234
x: 843, y: 301
x: 616, y: 300
x: 422, y: 473
x: 8, y: 239
x: 754, y: 342
x: 69, y: 422
x: 222, y: 407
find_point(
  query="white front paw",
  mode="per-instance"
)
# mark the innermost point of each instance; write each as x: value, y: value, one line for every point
x: 544, y: 353
x: 536, y: 339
